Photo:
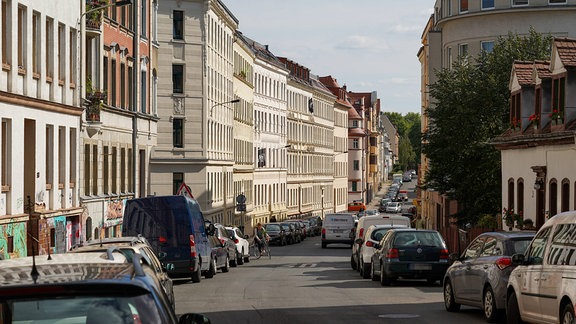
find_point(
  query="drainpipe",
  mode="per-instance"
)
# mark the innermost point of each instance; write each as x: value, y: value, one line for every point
x: 135, y: 72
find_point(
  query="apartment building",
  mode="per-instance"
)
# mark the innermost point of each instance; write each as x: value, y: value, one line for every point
x: 196, y: 105
x: 119, y: 125
x: 538, y: 176
x: 40, y: 113
x: 460, y: 28
x: 356, y: 154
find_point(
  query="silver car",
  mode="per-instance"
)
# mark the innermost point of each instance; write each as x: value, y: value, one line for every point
x: 479, y: 276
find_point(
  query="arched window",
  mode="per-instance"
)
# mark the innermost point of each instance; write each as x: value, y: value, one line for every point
x: 553, y: 198
x: 520, y: 196
x: 510, y: 194
x: 565, y: 195
x: 88, y: 228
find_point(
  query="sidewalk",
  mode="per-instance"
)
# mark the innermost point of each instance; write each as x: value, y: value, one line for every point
x: 379, y: 195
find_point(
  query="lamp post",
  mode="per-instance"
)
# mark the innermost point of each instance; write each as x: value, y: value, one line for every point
x: 223, y: 103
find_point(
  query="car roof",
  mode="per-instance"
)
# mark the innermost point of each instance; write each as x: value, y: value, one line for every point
x: 509, y: 234
x: 565, y: 217
x: 131, y: 240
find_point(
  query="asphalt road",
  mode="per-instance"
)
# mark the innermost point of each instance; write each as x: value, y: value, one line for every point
x: 304, y: 283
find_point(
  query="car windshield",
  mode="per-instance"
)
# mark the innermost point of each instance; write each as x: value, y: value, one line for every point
x: 84, y: 309
x: 420, y: 238
x: 520, y: 245
x: 273, y: 227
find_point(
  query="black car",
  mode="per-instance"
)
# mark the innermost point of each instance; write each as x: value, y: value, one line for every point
x: 72, y: 289
x: 277, y: 234
x: 290, y: 232
x: 409, y: 253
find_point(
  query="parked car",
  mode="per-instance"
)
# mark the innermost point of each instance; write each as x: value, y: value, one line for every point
x: 289, y: 233
x: 542, y: 289
x: 219, y: 258
x: 394, y: 207
x: 410, y: 254
x: 130, y: 245
x: 242, y: 244
x: 373, y: 236
x: 360, y: 231
x: 299, y: 226
x: 356, y: 206
x: 277, y: 234
x: 368, y: 212
x: 174, y: 226
x: 315, y: 226
x: 479, y: 276
x: 297, y: 230
x: 338, y: 228
x: 110, y: 291
x: 222, y: 234
x: 383, y: 204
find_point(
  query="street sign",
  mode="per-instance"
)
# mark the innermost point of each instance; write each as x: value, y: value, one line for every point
x: 184, y: 190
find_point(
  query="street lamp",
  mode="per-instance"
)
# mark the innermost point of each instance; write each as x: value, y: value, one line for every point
x: 223, y: 103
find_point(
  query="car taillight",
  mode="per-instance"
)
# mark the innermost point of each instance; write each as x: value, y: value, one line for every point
x: 192, y: 247
x: 369, y: 244
x: 323, y: 233
x: 162, y: 240
x: 361, y: 232
x: 236, y: 241
x: 504, y: 262
x: 444, y: 254
x: 392, y: 254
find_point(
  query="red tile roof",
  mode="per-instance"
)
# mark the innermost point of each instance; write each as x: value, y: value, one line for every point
x: 543, y: 69
x: 523, y: 71
x: 566, y: 50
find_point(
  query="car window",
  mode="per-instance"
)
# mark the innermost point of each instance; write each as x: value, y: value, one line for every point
x: 519, y: 245
x: 272, y: 227
x: 151, y: 257
x: 378, y: 234
x: 418, y: 238
x: 473, y: 249
x: 535, y: 251
x: 490, y: 247
x: 562, y: 249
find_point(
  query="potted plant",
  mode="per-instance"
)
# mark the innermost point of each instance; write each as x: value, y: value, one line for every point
x: 510, y: 218
x: 515, y: 124
x: 534, y: 120
x: 95, y: 101
x: 94, y: 9
x: 556, y: 116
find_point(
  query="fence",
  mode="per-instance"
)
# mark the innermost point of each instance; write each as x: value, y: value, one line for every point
x: 458, y: 239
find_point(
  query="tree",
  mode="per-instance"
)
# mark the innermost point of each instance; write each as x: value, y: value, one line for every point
x: 409, y: 146
x: 471, y: 108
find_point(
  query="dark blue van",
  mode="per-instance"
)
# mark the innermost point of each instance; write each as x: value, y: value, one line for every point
x: 175, y: 227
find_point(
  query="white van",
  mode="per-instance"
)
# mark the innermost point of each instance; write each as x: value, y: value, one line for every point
x: 393, y: 221
x: 338, y: 228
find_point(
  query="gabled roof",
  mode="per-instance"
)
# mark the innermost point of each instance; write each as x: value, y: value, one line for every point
x: 263, y: 52
x: 523, y: 71
x: 542, y: 69
x: 342, y: 97
x: 566, y: 48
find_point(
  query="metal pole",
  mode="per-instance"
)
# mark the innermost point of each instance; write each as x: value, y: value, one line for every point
x: 135, y: 72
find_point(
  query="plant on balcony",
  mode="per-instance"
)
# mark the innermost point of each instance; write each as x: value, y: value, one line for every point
x: 95, y: 100
x: 534, y: 119
x: 556, y: 115
x: 94, y: 12
x: 515, y: 123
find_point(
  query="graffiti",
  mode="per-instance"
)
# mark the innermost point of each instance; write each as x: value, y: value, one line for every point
x: 19, y: 203
x: 114, y: 210
x: 16, y: 234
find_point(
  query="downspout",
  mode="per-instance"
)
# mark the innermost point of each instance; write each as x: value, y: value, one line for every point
x: 135, y: 72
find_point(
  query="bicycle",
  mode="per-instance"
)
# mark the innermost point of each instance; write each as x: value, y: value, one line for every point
x: 255, y: 251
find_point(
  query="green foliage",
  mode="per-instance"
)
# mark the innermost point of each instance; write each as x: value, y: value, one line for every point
x: 488, y: 221
x: 470, y: 109
x: 409, y: 147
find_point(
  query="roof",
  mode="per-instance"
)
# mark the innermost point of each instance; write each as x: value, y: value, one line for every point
x: 542, y: 69
x: 566, y: 48
x: 356, y: 132
x: 523, y: 71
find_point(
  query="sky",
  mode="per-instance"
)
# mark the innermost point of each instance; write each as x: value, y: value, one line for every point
x: 367, y: 45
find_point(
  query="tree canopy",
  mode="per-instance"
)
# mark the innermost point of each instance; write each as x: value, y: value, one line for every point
x: 409, y: 146
x: 471, y: 107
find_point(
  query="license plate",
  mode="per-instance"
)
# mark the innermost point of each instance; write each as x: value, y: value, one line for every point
x: 419, y: 266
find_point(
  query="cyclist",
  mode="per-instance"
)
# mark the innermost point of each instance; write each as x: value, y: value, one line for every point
x: 259, y: 236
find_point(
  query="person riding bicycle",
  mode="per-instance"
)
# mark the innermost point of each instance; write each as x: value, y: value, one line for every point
x: 259, y: 236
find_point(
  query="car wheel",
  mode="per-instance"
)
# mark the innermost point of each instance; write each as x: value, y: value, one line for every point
x: 226, y: 268
x: 197, y: 275
x: 512, y: 310
x: 212, y: 271
x: 233, y: 261
x: 373, y: 273
x: 239, y: 258
x: 489, y: 306
x: 384, y: 280
x: 366, y: 270
x: 246, y: 258
x: 567, y: 314
x: 353, y: 263
x: 449, y: 302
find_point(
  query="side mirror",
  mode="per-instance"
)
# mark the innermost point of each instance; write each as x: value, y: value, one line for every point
x: 453, y: 257
x: 211, y: 229
x: 192, y: 318
x: 518, y: 259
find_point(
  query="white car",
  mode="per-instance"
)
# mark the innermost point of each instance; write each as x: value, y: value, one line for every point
x: 394, y: 207
x: 242, y: 244
x: 542, y: 289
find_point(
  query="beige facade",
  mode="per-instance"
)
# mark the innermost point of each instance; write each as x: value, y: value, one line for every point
x: 195, y: 130
x: 463, y: 28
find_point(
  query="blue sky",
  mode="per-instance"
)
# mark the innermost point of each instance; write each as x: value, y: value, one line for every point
x: 368, y: 45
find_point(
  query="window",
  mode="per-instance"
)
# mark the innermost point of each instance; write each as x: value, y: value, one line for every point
x: 520, y: 197
x: 177, y: 78
x: 178, y: 24
x: 177, y: 180
x: 557, y: 1
x: 462, y: 52
x: 87, y: 169
x: 178, y: 132
x: 105, y: 77
x: 130, y: 87
x: 463, y: 5
x: 487, y: 4
x: 487, y: 46
x: 122, y: 85
x: 113, y: 85
x: 562, y: 249
x: 62, y: 166
x: 356, y: 165
x: 122, y: 170
x: 355, y: 143
x: 143, y: 92
x: 354, y: 185
x: 4, y: 154
x: 61, y: 53
x: 36, y: 43
x: 491, y: 247
x: 94, y: 169
x: 143, y: 17
x: 72, y: 56
x: 72, y: 157
x: 49, y: 44
x: 114, y: 173
x: 49, y: 154
x: 354, y: 123
x: 449, y: 57
x: 535, y: 251
x: 106, y: 170
x: 565, y: 196
x: 21, y: 38
x: 519, y: 2
x: 5, y: 34
x: 558, y: 95
x: 553, y: 197
x: 474, y: 249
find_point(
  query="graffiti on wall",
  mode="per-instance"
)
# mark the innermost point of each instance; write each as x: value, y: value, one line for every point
x: 114, y: 211
x: 13, y: 236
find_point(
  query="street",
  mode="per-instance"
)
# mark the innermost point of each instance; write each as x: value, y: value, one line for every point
x: 304, y: 283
